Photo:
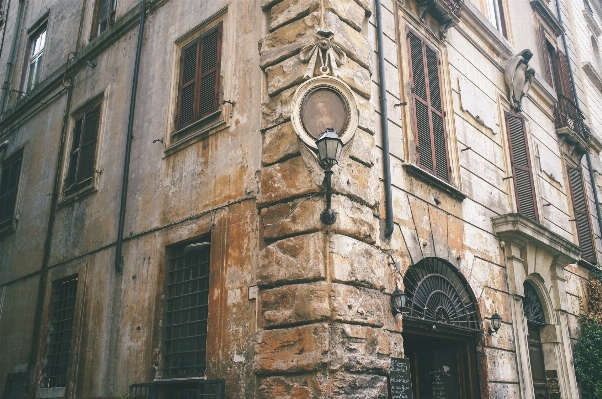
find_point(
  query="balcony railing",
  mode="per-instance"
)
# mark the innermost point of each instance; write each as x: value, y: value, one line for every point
x: 567, y: 115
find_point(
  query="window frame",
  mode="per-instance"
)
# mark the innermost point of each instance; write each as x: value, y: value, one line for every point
x: 95, y: 29
x: 199, y: 75
x: 498, y: 14
x: 37, y: 58
x: 89, y: 183
x: 8, y: 225
x: 428, y: 103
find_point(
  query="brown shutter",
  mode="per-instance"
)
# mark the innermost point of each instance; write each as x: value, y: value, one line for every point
x: 88, y: 145
x: 209, y: 74
x: 8, y: 189
x: 566, y: 86
x: 427, y: 102
x: 580, y: 208
x: 74, y: 156
x: 188, y: 80
x: 546, y: 56
x: 521, y: 167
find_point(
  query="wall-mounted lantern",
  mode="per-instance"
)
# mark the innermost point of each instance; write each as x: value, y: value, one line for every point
x: 329, y: 149
x: 398, y: 301
x: 496, y: 323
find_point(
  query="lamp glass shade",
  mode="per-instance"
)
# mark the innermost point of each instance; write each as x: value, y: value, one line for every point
x: 329, y: 148
x: 496, y: 321
x: 398, y: 300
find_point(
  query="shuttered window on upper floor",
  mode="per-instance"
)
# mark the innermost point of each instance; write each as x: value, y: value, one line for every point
x: 581, y: 211
x: 198, y: 93
x: 522, y: 171
x: 9, y: 186
x: 83, y: 152
x: 428, y: 113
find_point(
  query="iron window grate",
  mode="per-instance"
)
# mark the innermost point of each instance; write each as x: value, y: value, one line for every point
x: 186, y: 313
x: 61, y: 328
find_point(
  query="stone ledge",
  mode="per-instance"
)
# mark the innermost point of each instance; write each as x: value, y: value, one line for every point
x: 420, y: 173
x: 516, y: 228
x: 593, y: 74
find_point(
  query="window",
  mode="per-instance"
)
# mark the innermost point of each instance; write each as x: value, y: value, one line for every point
x: 186, y: 311
x: 581, y: 212
x: 9, y: 186
x: 549, y: 59
x: 59, y: 337
x: 83, y: 151
x: 104, y: 16
x: 37, y: 41
x: 198, y: 91
x: 495, y: 13
x: 522, y: 175
x: 427, y: 112
x: 534, y: 314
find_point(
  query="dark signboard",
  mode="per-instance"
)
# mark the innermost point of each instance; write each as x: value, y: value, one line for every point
x: 401, y: 387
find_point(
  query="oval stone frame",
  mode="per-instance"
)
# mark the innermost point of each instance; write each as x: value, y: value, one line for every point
x: 338, y: 87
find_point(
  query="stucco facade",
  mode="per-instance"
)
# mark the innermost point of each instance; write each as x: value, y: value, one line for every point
x: 294, y: 308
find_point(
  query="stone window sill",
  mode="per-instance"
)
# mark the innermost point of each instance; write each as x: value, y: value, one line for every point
x: 7, y: 227
x: 422, y: 174
x: 196, y: 131
x: 84, y: 192
x: 47, y: 393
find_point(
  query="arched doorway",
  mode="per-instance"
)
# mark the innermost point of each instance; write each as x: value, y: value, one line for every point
x: 535, y: 321
x: 440, y: 327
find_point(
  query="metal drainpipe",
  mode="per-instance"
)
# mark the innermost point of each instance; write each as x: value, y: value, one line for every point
x: 587, y: 154
x: 128, y: 147
x: 384, y: 122
x: 5, y: 18
x: 13, y: 54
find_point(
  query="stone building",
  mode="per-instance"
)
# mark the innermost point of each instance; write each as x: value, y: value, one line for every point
x: 161, y: 197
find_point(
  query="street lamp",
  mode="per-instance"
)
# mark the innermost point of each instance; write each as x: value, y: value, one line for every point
x: 496, y: 323
x: 329, y: 149
x: 398, y: 301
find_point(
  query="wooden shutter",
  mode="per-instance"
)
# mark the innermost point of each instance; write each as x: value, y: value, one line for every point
x: 198, y: 94
x: 546, y: 57
x: 431, y: 137
x: 566, y: 87
x: 581, y: 211
x: 8, y: 189
x: 521, y: 167
x: 83, y: 150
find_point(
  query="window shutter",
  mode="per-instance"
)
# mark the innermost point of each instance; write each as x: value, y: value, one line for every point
x: 546, y: 57
x: 74, y: 157
x: 8, y: 189
x: 88, y: 145
x: 211, y: 45
x: 565, y: 77
x: 188, y: 79
x: 580, y: 208
x: 428, y: 108
x: 521, y: 167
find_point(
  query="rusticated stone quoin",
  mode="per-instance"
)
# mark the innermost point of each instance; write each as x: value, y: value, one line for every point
x: 291, y: 350
x: 357, y: 305
x: 294, y: 259
x: 294, y: 304
x: 310, y: 386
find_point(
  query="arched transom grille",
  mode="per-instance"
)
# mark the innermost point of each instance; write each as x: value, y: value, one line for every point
x: 435, y: 293
x: 532, y: 306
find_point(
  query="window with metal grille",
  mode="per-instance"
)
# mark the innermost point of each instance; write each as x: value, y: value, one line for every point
x: 83, y: 151
x: 522, y: 175
x: 581, y: 211
x: 428, y: 113
x: 186, y: 311
x: 60, y: 335
x: 37, y: 42
x: 104, y: 16
x: 198, y: 94
x: 9, y: 186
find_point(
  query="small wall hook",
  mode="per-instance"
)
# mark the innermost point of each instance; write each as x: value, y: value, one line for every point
x: 161, y: 140
x: 91, y: 64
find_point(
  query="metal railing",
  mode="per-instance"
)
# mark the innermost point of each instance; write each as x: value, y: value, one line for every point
x: 567, y: 114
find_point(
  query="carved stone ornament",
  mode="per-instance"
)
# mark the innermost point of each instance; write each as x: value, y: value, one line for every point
x: 323, y: 50
x: 518, y: 77
x: 320, y: 103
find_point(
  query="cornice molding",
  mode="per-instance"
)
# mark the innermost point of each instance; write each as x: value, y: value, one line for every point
x: 516, y: 228
x: 548, y: 16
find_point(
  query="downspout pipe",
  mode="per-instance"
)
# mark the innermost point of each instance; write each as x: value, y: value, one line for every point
x: 587, y: 154
x: 384, y: 123
x: 13, y: 54
x: 128, y: 146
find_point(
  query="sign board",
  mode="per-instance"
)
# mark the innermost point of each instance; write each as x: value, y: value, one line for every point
x: 401, y: 387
